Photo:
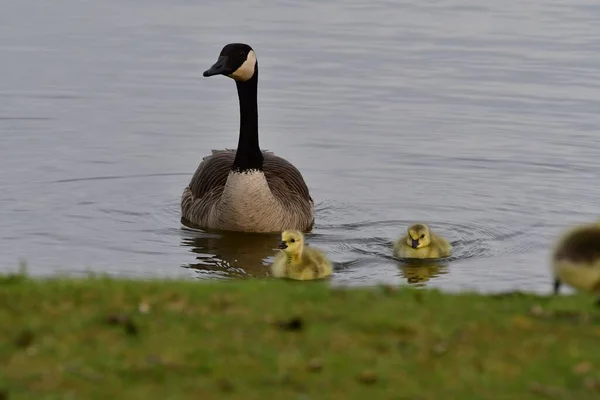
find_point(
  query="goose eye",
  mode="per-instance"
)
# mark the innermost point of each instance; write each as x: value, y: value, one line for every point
x: 422, y: 236
x: 292, y: 240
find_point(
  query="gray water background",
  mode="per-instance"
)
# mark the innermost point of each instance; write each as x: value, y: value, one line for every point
x: 479, y: 118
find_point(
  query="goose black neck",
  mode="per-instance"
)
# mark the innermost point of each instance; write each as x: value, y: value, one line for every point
x: 249, y: 155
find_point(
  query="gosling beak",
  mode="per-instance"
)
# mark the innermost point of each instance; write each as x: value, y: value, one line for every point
x: 415, y: 243
x: 282, y: 245
x: 219, y: 68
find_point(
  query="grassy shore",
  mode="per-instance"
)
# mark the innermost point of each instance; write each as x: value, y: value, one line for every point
x: 116, y: 339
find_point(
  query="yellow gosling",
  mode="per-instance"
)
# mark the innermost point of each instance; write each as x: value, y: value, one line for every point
x: 576, y: 259
x: 297, y: 261
x: 420, y: 242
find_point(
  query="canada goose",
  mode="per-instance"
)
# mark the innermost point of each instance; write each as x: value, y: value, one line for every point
x: 247, y: 190
x: 576, y: 259
x: 296, y: 261
x: 420, y: 242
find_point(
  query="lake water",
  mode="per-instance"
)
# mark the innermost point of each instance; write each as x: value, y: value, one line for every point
x: 480, y: 118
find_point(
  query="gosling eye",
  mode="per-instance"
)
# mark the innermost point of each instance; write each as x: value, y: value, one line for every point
x: 422, y: 236
x: 292, y: 240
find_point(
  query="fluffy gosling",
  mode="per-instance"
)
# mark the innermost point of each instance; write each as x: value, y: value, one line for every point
x: 420, y: 242
x: 295, y: 261
x: 576, y: 259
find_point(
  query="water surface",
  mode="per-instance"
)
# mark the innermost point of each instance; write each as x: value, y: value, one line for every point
x: 479, y: 118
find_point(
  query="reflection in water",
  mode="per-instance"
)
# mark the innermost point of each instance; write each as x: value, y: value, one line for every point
x: 417, y: 272
x: 231, y: 254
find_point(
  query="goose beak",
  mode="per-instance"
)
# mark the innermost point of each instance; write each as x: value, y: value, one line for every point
x: 219, y: 68
x: 415, y: 243
x: 282, y: 245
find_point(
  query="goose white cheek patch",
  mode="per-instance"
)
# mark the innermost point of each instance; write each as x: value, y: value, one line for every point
x: 246, y: 70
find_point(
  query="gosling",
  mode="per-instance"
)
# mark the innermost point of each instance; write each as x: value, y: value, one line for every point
x: 295, y: 261
x: 420, y: 242
x: 576, y: 260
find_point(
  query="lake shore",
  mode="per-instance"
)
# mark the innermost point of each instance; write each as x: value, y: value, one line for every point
x: 97, y: 338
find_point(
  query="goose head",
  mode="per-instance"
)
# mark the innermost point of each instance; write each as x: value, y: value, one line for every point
x: 418, y: 236
x: 236, y: 61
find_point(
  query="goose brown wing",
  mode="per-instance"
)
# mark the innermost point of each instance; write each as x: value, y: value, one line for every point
x: 285, y: 181
x: 206, y: 187
x: 211, y: 174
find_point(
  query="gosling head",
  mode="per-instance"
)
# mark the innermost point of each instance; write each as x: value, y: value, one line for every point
x: 291, y: 242
x: 237, y: 61
x: 418, y: 236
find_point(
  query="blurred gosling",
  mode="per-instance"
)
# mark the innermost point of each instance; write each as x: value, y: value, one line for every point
x: 295, y: 261
x: 576, y: 259
x: 420, y: 242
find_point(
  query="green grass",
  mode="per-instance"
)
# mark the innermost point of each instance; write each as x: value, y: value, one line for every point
x: 116, y: 339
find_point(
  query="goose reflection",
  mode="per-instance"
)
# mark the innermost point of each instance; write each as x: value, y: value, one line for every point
x: 417, y: 273
x: 230, y: 254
